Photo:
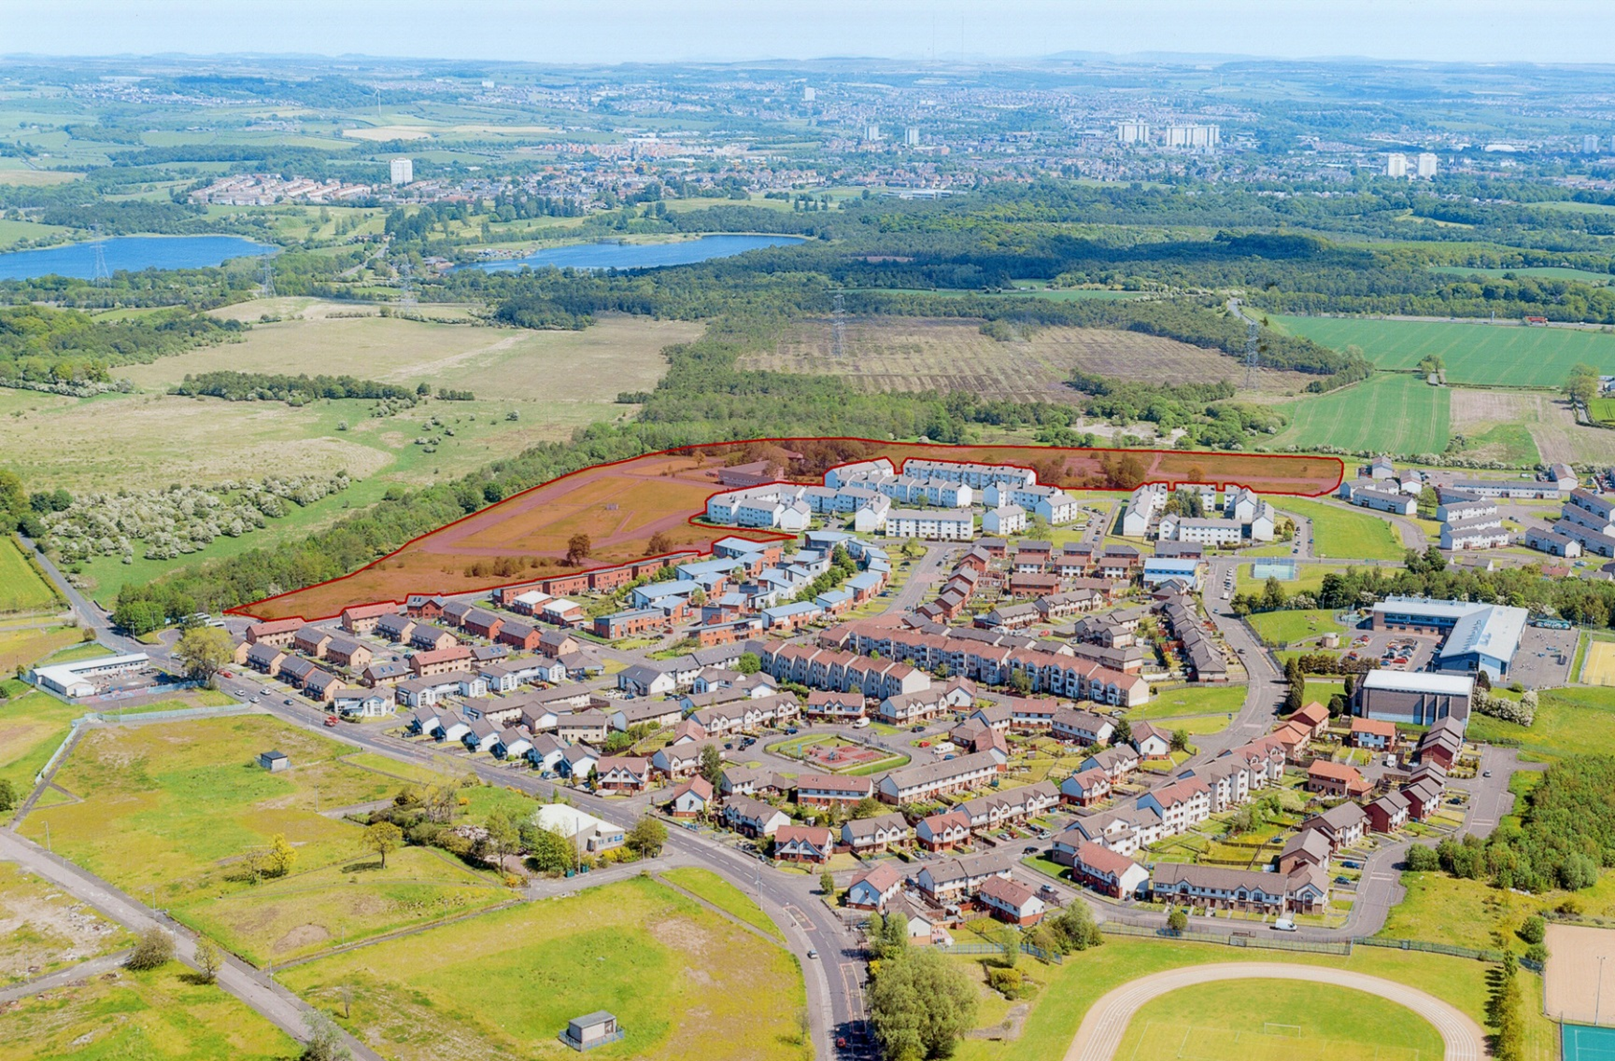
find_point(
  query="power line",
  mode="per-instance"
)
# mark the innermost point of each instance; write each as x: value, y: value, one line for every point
x: 103, y: 275
x: 1253, y: 356
x: 266, y: 286
x: 838, y: 329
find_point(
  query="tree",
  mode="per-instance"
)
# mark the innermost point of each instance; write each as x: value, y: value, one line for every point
x: 920, y: 1005
x: 153, y: 948
x: 1177, y: 920
x: 381, y: 838
x: 1423, y: 859
x: 503, y: 836
x: 210, y: 958
x: 1581, y: 386
x: 711, y: 766
x: 659, y: 543
x: 204, y: 650
x: 1180, y: 740
x: 8, y: 794
x: 647, y: 838
x: 547, y: 850
x: 1010, y: 941
x: 1123, y: 734
x: 827, y: 883
x: 578, y: 548
x: 280, y: 858
x: 748, y: 663
x: 868, y: 807
x: 324, y: 1042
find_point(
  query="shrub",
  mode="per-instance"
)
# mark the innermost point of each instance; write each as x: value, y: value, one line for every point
x: 1007, y: 982
x: 1533, y: 930
x: 1423, y: 859
x: 153, y: 949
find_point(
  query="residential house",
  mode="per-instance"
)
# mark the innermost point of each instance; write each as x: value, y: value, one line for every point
x: 874, y: 835
x: 1342, y: 825
x: 622, y: 773
x: 1388, y: 813
x: 874, y: 886
x: 1011, y: 901
x: 1307, y: 847
x: 1086, y: 787
x: 1105, y: 871
x: 927, y: 781
x: 1374, y: 734
x: 803, y: 843
x: 825, y: 790
x: 1151, y: 741
x: 943, y: 832
x: 277, y: 632
x: 691, y: 799
x: 754, y: 818
x: 362, y: 618
x: 1338, y: 780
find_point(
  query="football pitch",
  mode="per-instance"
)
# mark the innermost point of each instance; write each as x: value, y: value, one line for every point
x: 1502, y: 354
x: 1162, y: 1041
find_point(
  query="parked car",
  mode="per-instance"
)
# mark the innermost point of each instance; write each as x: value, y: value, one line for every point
x: 1284, y: 924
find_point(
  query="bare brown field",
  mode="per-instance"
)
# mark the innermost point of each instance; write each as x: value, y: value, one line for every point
x: 622, y: 505
x: 1575, y: 954
x: 944, y: 354
x: 1548, y: 419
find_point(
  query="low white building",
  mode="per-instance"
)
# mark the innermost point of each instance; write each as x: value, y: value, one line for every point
x: 1006, y: 519
x: 73, y: 680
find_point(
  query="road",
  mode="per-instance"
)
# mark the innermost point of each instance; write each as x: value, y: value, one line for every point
x: 1101, y: 1031
x: 1265, y: 692
x: 283, y: 1009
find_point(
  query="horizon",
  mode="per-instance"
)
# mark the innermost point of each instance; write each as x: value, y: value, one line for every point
x: 656, y: 32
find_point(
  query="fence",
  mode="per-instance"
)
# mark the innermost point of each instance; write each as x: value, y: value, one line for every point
x: 1478, y: 954
x: 1122, y: 928
x: 1052, y: 957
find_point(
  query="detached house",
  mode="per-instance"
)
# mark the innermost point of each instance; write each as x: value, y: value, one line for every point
x: 754, y: 818
x: 943, y: 832
x: 622, y: 773
x: 1011, y: 901
x: 803, y: 843
x: 1105, y: 871
x: 874, y: 887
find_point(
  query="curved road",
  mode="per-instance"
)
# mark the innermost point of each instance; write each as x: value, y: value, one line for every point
x: 1102, y: 1029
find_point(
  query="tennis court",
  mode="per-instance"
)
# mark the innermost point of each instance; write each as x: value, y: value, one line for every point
x: 1583, y: 1042
x: 1283, y: 570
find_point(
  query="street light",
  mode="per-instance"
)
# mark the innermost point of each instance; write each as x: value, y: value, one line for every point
x: 1599, y: 998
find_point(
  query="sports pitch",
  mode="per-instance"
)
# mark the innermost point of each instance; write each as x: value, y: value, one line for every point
x: 1389, y: 413
x: 1600, y: 666
x: 1274, y: 1042
x: 1583, y: 1042
x: 1501, y: 354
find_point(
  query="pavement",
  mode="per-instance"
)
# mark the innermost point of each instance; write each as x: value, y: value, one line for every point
x: 73, y: 974
x: 1101, y: 1030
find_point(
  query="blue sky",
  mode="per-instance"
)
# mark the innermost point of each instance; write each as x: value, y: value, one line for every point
x: 610, y: 31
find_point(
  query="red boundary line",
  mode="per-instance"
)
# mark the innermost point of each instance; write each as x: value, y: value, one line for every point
x: 707, y: 448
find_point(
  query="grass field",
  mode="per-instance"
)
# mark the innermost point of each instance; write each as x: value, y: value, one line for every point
x: 1071, y: 988
x: 1280, y: 628
x: 1276, y: 1020
x: 31, y: 727
x: 725, y: 896
x: 1602, y: 410
x: 24, y: 645
x: 1568, y: 722
x: 1386, y: 414
x: 683, y: 982
x: 1341, y: 534
x: 1547, y: 272
x: 1495, y: 355
x: 43, y: 929
x: 1190, y: 700
x: 154, y: 1016
x: 910, y: 354
x: 1309, y: 579
x: 168, y: 809
x: 22, y: 587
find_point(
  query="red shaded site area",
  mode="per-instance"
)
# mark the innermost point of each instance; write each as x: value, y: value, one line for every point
x: 622, y: 506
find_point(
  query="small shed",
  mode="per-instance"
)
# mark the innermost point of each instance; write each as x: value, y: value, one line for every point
x: 274, y: 762
x: 592, y: 1030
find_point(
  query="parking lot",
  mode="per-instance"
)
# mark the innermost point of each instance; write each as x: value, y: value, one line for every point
x: 1544, y: 658
x: 1393, y: 650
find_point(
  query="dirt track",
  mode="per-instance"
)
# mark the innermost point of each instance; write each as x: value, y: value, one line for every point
x: 1102, y: 1029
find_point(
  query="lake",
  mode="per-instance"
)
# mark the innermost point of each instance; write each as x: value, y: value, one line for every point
x: 132, y: 253
x: 609, y: 255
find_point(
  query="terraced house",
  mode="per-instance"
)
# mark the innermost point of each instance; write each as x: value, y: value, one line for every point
x: 927, y: 781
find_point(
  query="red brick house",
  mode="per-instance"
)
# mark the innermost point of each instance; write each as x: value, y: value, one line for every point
x: 803, y: 843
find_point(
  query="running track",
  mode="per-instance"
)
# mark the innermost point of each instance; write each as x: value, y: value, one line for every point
x: 1101, y: 1030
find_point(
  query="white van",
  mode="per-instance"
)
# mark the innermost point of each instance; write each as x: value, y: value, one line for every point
x: 1284, y: 924
x: 862, y: 723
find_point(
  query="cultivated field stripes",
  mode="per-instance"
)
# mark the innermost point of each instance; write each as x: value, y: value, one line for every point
x: 1502, y: 354
x: 1387, y: 414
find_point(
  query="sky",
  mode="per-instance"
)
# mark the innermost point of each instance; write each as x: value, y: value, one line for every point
x: 635, y: 31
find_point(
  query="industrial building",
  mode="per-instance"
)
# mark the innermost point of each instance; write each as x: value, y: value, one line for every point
x: 1412, y: 698
x: 72, y: 680
x: 1477, y: 636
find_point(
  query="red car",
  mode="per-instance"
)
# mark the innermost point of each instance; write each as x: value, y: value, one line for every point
x: 330, y: 720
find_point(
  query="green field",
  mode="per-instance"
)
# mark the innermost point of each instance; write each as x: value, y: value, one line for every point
x: 1277, y: 1020
x: 1284, y: 627
x: 22, y: 588
x: 161, y: 1015
x: 1342, y: 534
x: 167, y: 810
x: 1387, y: 413
x: 1495, y: 355
x: 1069, y: 990
x: 31, y: 728
x: 1602, y: 410
x: 683, y: 982
x: 725, y: 896
x: 1190, y: 700
x: 1545, y: 272
x: 1568, y: 722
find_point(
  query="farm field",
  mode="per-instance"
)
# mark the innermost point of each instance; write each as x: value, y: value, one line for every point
x: 720, y: 893
x: 31, y: 727
x: 22, y: 588
x: 683, y: 982
x: 155, y: 1016
x: 1070, y: 989
x: 1546, y: 272
x: 43, y: 929
x: 1502, y: 426
x: 1385, y: 413
x: 622, y: 506
x: 1510, y: 355
x: 1342, y: 534
x: 167, y: 810
x: 914, y: 354
x: 1272, y: 1020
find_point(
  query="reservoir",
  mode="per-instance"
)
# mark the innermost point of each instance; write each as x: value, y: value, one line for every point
x: 612, y: 255
x: 132, y: 253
